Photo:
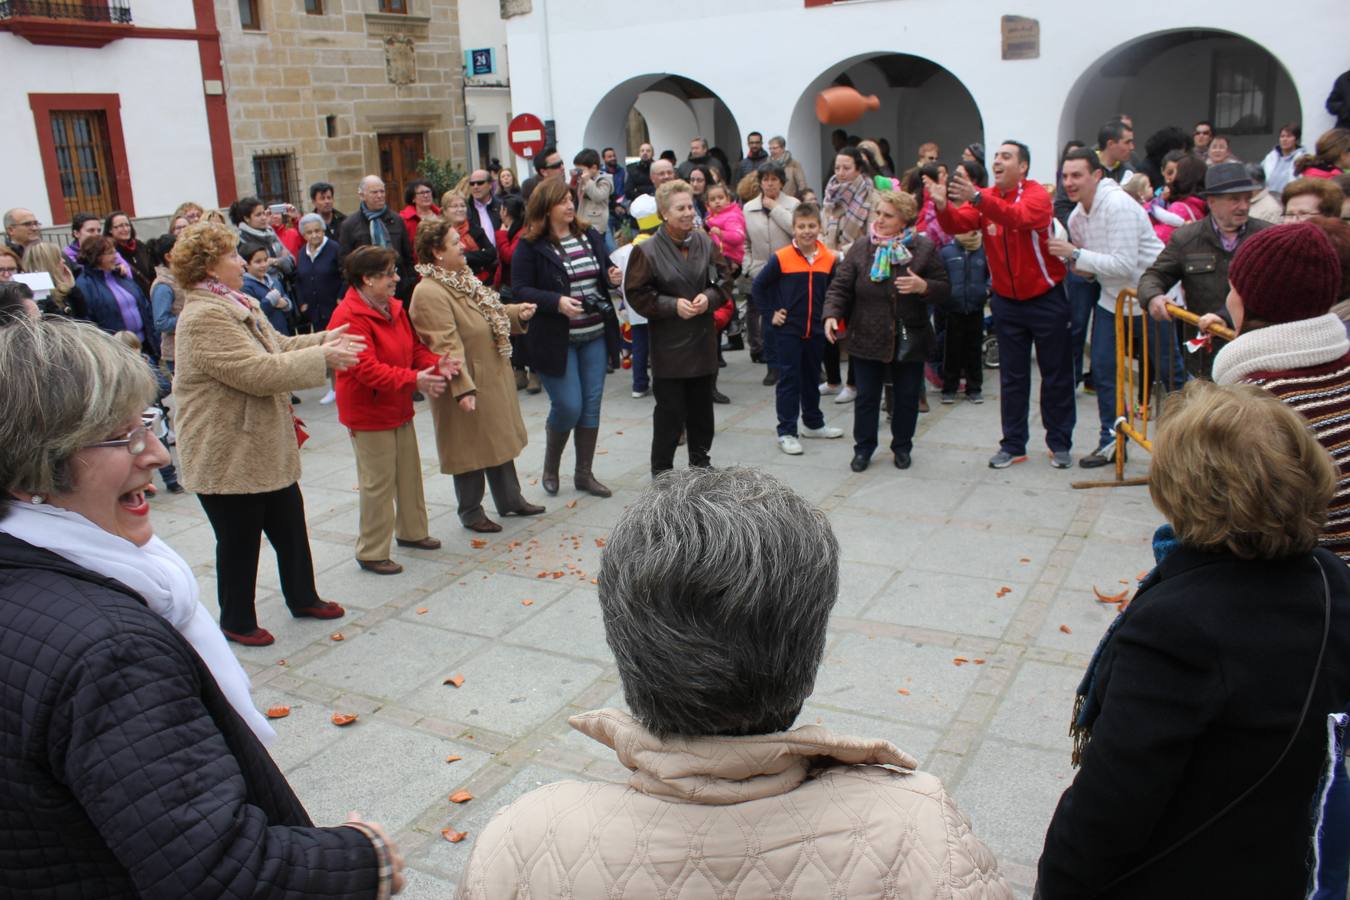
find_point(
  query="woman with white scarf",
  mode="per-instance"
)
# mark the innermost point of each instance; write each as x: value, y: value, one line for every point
x: 850, y: 208
x: 131, y: 732
x: 251, y: 216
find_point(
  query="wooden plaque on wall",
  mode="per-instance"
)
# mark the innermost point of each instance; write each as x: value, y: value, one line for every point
x: 1021, y: 38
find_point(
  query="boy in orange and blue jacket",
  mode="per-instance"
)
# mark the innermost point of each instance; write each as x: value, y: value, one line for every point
x: 791, y: 290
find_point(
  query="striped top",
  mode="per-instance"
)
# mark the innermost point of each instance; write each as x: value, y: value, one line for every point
x: 583, y: 272
x: 1321, y: 394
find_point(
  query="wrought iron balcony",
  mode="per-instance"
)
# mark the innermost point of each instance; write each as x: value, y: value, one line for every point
x: 113, y: 12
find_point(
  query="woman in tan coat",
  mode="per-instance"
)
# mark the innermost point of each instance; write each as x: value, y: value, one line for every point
x: 238, y: 440
x: 724, y: 800
x: 479, y: 432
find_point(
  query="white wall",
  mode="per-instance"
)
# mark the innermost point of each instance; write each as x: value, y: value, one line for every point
x: 1016, y: 98
x: 489, y: 108
x: 670, y: 122
x: 163, y: 113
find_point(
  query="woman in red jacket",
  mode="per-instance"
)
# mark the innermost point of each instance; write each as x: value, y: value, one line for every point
x: 374, y: 399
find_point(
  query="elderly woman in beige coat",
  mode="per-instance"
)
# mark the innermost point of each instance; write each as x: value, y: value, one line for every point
x: 479, y: 432
x: 238, y: 440
x: 724, y: 800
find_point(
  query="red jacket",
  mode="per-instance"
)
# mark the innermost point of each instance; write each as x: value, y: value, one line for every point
x: 290, y: 239
x: 376, y: 393
x: 1017, y: 229
x: 506, y: 247
x: 411, y: 220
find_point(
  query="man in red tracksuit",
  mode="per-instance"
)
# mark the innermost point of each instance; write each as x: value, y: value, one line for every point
x: 1029, y: 302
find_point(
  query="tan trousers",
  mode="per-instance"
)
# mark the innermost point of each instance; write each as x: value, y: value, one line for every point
x: 389, y: 470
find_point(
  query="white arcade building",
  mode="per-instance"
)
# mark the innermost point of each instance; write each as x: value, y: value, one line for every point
x: 1042, y: 72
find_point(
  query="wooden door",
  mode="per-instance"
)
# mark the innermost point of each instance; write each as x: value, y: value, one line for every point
x: 400, y: 153
x: 84, y: 161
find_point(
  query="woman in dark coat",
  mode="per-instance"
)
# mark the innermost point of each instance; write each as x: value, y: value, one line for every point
x: 561, y: 266
x: 115, y: 303
x: 131, y: 756
x: 878, y: 305
x: 136, y: 253
x: 1201, y: 724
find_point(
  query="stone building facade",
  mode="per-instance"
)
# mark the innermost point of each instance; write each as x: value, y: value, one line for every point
x: 331, y: 90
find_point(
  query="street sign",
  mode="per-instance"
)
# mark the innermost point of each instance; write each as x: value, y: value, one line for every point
x: 525, y: 134
x: 480, y: 61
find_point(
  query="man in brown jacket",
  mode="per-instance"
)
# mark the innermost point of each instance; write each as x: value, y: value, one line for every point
x: 1197, y: 257
x: 680, y: 281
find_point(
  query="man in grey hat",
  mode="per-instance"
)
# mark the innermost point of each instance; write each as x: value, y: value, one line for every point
x: 1197, y: 258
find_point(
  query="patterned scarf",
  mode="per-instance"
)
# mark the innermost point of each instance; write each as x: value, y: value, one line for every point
x: 462, y: 282
x: 852, y: 196
x: 891, y: 251
x: 220, y: 289
x: 379, y: 236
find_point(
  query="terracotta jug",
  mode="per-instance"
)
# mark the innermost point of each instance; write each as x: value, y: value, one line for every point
x: 842, y: 105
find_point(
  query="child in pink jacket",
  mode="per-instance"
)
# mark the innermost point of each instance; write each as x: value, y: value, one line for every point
x: 725, y: 223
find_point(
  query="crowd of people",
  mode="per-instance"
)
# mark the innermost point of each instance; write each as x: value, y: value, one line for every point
x: 198, y: 341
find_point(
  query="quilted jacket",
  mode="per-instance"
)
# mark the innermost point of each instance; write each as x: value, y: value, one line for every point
x: 124, y: 771
x: 801, y: 814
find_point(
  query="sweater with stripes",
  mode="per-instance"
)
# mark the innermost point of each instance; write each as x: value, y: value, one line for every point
x: 1306, y: 364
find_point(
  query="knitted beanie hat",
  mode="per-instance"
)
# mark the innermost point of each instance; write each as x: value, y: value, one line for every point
x: 1286, y: 273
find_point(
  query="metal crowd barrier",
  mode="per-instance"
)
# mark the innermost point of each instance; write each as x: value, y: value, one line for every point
x: 1132, y: 418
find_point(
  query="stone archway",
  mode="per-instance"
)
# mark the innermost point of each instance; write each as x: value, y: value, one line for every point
x: 920, y: 101
x: 1179, y: 77
x: 673, y: 107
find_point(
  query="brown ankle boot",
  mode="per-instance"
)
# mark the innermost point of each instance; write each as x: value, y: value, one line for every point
x: 553, y: 450
x: 583, y: 480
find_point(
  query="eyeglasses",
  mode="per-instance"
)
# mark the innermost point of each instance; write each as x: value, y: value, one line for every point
x: 31, y: 223
x: 482, y: 182
x: 8, y: 270
x: 425, y: 192
x: 1300, y: 215
x: 389, y: 273
x: 136, y: 442
x: 556, y: 165
x: 1203, y: 131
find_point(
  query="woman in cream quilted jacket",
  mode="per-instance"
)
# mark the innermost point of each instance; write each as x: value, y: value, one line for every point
x: 724, y: 801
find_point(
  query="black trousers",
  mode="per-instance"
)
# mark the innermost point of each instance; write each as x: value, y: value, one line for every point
x: 503, y: 483
x: 240, y: 521
x: 832, y: 358
x: 682, y: 404
x: 964, y: 352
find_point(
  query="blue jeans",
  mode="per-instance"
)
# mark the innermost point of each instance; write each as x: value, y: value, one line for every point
x: 1044, y: 322
x: 1083, y: 296
x: 798, y: 361
x: 907, y: 381
x: 641, y: 349
x: 574, y: 396
x: 1164, y: 357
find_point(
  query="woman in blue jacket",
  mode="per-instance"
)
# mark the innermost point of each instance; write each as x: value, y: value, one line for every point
x: 116, y: 303
x: 318, y: 276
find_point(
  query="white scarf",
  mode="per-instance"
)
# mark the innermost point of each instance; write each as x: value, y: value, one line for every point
x: 156, y: 573
x: 1282, y: 348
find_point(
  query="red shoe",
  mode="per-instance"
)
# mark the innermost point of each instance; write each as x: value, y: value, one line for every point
x: 258, y: 637
x: 324, y: 609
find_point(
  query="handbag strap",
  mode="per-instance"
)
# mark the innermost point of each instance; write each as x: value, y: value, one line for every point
x: 1289, y: 745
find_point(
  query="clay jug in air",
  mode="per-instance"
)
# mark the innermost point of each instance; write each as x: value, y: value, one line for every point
x: 842, y: 105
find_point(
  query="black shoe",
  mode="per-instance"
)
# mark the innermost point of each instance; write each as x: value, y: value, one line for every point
x: 770, y: 378
x: 719, y: 397
x: 418, y: 396
x: 1102, y: 456
x: 859, y: 462
x: 721, y: 363
x: 902, y: 460
x: 756, y: 357
x: 174, y: 488
x: 295, y: 401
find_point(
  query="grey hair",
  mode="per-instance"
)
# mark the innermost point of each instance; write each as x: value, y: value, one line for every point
x: 311, y: 217
x: 67, y: 384
x: 10, y: 218
x: 778, y: 139
x: 715, y: 588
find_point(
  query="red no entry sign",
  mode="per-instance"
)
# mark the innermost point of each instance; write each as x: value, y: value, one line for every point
x: 525, y: 134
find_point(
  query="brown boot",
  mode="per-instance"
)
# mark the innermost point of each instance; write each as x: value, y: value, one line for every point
x: 583, y: 480
x: 553, y: 451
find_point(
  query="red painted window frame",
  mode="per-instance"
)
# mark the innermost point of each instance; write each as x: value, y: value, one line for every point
x: 43, y: 105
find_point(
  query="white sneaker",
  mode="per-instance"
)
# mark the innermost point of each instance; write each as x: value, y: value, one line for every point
x: 330, y: 397
x: 789, y: 445
x: 826, y: 389
x: 846, y: 395
x: 824, y: 431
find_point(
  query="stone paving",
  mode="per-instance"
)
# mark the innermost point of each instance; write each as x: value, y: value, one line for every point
x: 949, y: 559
